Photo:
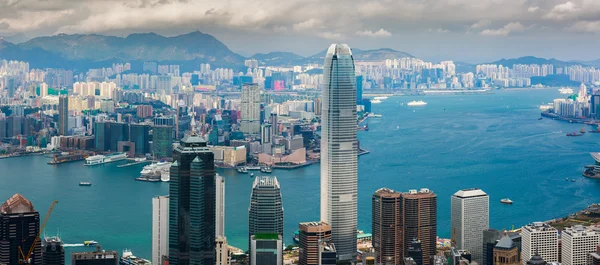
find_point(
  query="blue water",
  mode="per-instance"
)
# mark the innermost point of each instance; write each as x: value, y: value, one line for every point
x: 493, y: 142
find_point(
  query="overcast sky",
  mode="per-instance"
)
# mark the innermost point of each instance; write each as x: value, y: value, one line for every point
x: 460, y: 30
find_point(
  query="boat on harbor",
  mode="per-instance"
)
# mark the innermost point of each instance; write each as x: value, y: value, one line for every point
x: 597, y: 130
x: 574, y: 134
x: 416, y: 103
x: 103, y: 159
x: 129, y: 259
x: 376, y: 101
x: 242, y: 170
x: 506, y: 201
x: 266, y: 169
x: 83, y: 183
x: 582, y: 130
x: 155, y: 172
x: 90, y: 243
x: 373, y: 115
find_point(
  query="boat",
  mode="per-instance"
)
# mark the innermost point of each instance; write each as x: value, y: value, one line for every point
x: 574, y: 134
x: 165, y: 176
x: 565, y: 91
x: 242, y: 170
x: 363, y: 128
x: 253, y: 167
x: 597, y: 130
x: 582, y: 130
x: 85, y: 183
x: 266, y: 169
x: 375, y: 101
x: 251, y: 175
x: 129, y: 259
x: 506, y: 201
x: 567, y: 179
x: 103, y: 159
x: 373, y: 115
x: 155, y: 172
x: 380, y: 98
x: 90, y: 243
x: 540, y: 118
x: 417, y: 103
x: 573, y: 180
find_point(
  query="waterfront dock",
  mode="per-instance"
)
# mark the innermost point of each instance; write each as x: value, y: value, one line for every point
x: 136, y: 163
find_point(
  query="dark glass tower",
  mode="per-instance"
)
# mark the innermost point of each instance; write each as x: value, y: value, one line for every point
x: 265, y: 214
x: 19, y: 225
x: 192, y: 204
x: 53, y: 252
x: 162, y: 139
x: 63, y: 116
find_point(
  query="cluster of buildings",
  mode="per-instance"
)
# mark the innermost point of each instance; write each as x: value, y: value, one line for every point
x: 579, y: 106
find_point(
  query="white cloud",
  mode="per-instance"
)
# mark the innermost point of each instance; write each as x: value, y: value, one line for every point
x: 439, y: 30
x: 480, y: 24
x: 561, y: 11
x: 307, y: 25
x: 533, y: 9
x: 504, y: 31
x: 376, y: 34
x: 586, y: 26
x: 331, y: 35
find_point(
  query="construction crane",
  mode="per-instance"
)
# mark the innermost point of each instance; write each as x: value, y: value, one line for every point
x: 26, y: 259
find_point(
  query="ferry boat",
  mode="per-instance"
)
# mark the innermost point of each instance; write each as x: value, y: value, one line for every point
x: 506, y: 201
x: 242, y: 170
x: 266, y: 169
x: 565, y: 91
x: 375, y: 101
x: 574, y: 134
x: 90, y: 243
x: 252, y: 167
x: 417, y: 103
x: 129, y: 259
x: 103, y: 159
x: 373, y: 115
x: 380, y: 98
x: 155, y: 172
x: 85, y: 183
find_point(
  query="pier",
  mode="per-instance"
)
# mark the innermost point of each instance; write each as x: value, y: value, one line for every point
x: 136, y: 163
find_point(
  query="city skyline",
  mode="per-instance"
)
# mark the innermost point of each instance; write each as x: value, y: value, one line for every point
x: 459, y: 30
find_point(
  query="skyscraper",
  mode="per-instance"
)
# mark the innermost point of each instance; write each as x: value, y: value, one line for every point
x: 160, y: 228
x: 419, y: 213
x: 359, y: 89
x: 192, y: 204
x: 470, y: 216
x: 222, y: 251
x: 577, y: 243
x: 220, y: 206
x: 162, y: 141
x: 250, y: 122
x: 63, y: 115
x: 265, y: 214
x: 53, y: 252
x: 387, y: 226
x: 266, y: 249
x: 19, y: 226
x: 539, y: 238
x: 339, y: 150
x: 311, y: 235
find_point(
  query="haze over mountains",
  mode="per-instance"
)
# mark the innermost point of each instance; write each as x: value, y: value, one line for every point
x: 81, y: 52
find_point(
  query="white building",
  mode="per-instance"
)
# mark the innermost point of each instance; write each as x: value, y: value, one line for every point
x: 470, y: 216
x: 539, y: 237
x: 160, y: 228
x: 222, y: 250
x: 220, y: 207
x: 577, y: 243
x: 250, y: 121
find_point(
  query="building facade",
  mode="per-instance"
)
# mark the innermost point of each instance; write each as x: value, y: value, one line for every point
x: 419, y: 209
x: 222, y: 251
x: 192, y: 204
x: 53, y: 252
x: 506, y: 252
x: 577, y: 243
x: 339, y: 150
x: 266, y: 249
x: 265, y: 213
x: 541, y: 238
x: 63, y: 115
x: 19, y: 225
x: 220, y: 206
x: 98, y: 257
x: 160, y: 228
x: 162, y: 141
x: 250, y: 122
x: 470, y: 217
x: 387, y: 226
x: 311, y: 236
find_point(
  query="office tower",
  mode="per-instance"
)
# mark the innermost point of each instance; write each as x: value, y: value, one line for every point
x: 541, y: 238
x: 490, y: 239
x: 311, y: 235
x: 98, y: 257
x: 339, y: 150
x: 19, y: 226
x: 222, y: 250
x: 160, y: 228
x: 594, y: 258
x: 53, y: 252
x: 162, y: 141
x: 265, y: 133
x: 327, y: 253
x: 119, y: 132
x: 250, y: 122
x: 536, y: 260
x: 470, y: 217
x: 415, y: 252
x: 274, y: 125
x: 192, y: 204
x: 577, y: 243
x: 387, y: 226
x: 266, y: 249
x: 63, y: 115
x: 140, y: 135
x: 265, y: 214
x: 359, y: 89
x: 420, y: 221
x: 506, y: 252
x: 220, y: 206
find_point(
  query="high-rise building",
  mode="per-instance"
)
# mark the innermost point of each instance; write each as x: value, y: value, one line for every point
x: 327, y: 253
x: 19, y: 226
x: 266, y: 249
x: 387, y: 226
x: 53, y: 252
x: 594, y: 257
x: 220, y: 206
x: 63, y: 115
x: 359, y: 89
x: 265, y: 134
x: 419, y: 214
x: 98, y: 257
x: 162, y: 141
x: 577, y: 243
x: 250, y: 122
x: 415, y: 252
x: 490, y: 239
x: 160, y: 228
x: 140, y: 135
x: 274, y: 125
x: 339, y: 150
x: 222, y: 250
x: 311, y: 235
x: 470, y: 217
x: 506, y: 252
x: 265, y: 214
x: 192, y: 204
x: 541, y: 238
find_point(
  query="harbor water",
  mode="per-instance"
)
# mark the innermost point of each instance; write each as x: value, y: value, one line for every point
x: 494, y: 142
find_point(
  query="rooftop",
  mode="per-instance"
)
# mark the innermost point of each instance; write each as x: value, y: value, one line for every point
x: 17, y: 204
x: 266, y: 236
x: 505, y: 243
x: 466, y: 193
x: 339, y: 49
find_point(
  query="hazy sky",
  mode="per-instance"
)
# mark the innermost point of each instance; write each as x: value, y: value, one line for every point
x: 461, y: 30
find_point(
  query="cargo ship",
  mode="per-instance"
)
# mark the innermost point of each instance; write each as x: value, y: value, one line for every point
x: 129, y: 259
x: 66, y: 157
x: 103, y: 159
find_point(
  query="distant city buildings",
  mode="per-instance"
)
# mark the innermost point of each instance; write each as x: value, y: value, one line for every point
x: 250, y: 101
x: 63, y: 121
x: 470, y: 217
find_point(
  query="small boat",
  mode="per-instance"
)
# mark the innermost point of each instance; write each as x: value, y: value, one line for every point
x: 573, y: 180
x: 375, y: 115
x: 582, y: 130
x: 506, y: 201
x: 90, y: 243
x: 242, y: 170
x: 266, y: 169
x: 597, y: 130
x: 574, y: 134
x: 85, y: 183
x: 566, y: 179
x: 540, y: 118
x: 251, y: 175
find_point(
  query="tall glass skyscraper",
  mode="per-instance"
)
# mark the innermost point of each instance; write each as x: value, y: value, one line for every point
x: 339, y: 150
x: 63, y: 115
x: 192, y: 204
x: 265, y: 214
